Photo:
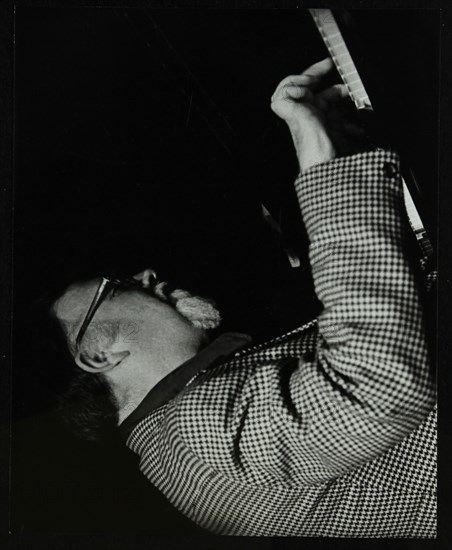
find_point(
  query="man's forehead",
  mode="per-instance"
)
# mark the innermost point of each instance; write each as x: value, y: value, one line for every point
x: 75, y: 300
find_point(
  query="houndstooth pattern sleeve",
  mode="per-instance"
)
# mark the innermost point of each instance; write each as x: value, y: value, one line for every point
x: 302, y: 412
x: 369, y: 384
x: 319, y: 432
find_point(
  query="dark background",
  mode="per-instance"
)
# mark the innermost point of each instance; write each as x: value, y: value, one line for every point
x: 145, y: 138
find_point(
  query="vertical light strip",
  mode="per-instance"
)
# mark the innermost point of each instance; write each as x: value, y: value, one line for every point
x: 332, y: 36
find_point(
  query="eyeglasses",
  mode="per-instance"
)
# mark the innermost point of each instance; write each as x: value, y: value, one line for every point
x: 105, y: 285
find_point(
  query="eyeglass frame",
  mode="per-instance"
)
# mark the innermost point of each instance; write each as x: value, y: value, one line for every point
x: 104, y: 287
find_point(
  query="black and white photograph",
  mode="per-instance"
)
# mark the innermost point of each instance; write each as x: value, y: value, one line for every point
x: 224, y: 276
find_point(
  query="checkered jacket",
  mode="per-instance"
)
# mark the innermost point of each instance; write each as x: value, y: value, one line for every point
x: 328, y: 430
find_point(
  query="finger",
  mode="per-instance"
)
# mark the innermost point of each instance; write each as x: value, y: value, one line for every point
x: 310, y: 76
x: 334, y: 93
x: 291, y: 92
x: 294, y: 80
x: 318, y: 70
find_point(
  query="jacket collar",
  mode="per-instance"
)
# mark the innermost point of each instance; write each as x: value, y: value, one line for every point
x: 213, y: 354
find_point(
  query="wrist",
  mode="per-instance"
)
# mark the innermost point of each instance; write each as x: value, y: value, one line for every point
x: 312, y: 144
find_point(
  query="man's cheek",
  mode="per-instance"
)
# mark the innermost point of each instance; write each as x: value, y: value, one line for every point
x: 130, y: 332
x: 123, y: 334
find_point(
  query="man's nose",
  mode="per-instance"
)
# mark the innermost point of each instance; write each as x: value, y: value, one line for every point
x: 148, y: 277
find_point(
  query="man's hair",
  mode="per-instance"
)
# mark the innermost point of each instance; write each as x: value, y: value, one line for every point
x: 88, y: 406
x: 85, y: 401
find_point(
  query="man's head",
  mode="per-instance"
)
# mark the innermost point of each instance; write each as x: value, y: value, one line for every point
x: 137, y: 334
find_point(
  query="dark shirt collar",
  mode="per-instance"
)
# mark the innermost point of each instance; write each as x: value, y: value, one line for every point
x: 213, y: 354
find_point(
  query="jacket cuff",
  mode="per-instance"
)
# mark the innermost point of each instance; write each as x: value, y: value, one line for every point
x: 352, y: 189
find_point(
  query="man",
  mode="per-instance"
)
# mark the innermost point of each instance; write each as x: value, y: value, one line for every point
x: 325, y: 431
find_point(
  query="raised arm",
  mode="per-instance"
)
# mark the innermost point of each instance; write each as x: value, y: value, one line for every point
x: 370, y: 382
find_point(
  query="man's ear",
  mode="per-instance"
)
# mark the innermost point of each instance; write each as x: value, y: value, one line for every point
x: 148, y: 277
x: 100, y: 362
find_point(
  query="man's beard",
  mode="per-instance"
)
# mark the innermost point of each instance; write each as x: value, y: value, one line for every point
x: 200, y: 312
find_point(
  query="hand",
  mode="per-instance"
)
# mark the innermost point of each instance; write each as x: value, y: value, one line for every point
x: 317, y: 120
